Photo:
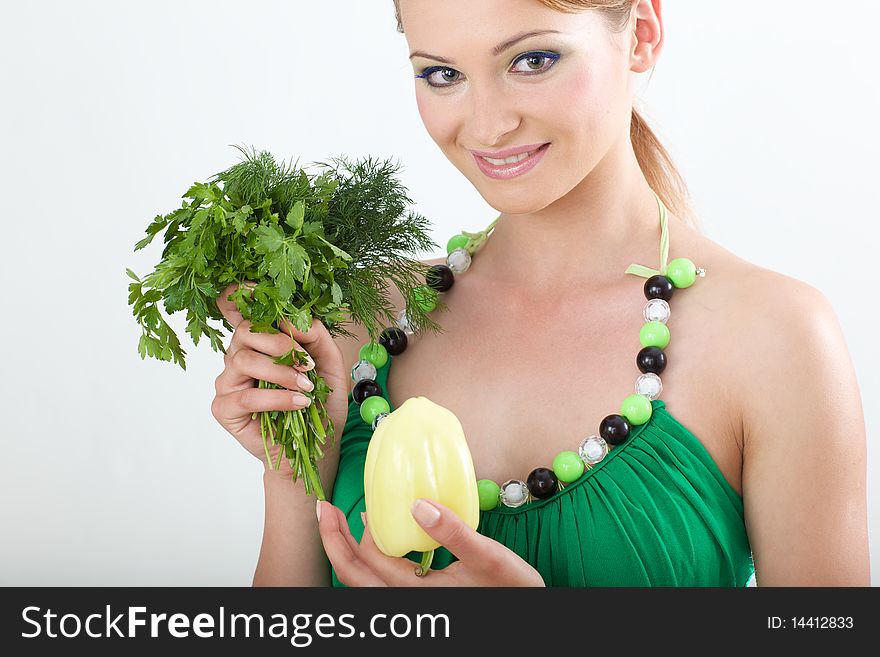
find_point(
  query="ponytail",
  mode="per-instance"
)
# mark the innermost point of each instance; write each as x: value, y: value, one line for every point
x: 660, y: 171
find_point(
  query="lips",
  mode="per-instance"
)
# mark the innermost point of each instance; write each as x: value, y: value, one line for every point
x: 511, y: 170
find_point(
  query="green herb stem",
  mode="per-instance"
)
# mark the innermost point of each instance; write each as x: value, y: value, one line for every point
x: 425, y: 563
x: 280, y: 456
x: 265, y: 445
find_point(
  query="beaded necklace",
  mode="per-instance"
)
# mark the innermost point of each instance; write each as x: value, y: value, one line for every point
x: 614, y: 429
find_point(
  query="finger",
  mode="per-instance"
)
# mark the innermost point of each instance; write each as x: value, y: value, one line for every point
x: 228, y: 308
x: 397, y: 571
x: 317, y: 343
x: 342, y: 521
x: 271, y: 344
x: 252, y: 400
x: 447, y: 528
x: 341, y: 549
x: 246, y: 365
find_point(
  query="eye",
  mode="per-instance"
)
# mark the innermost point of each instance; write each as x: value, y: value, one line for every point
x: 530, y: 57
x: 535, y: 61
x: 426, y: 73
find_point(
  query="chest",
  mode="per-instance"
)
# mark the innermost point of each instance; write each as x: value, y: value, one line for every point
x: 530, y: 379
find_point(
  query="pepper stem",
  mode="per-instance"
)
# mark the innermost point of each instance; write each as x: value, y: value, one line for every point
x: 425, y: 564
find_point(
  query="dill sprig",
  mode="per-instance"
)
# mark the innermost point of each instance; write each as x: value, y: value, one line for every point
x: 368, y: 194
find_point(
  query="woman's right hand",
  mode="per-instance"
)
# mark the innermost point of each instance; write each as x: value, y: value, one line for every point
x: 249, y: 358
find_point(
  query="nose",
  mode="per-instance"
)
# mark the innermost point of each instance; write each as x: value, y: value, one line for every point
x: 493, y: 114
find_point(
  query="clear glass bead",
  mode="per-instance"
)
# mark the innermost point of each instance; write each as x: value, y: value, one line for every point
x: 593, y: 449
x: 701, y: 272
x: 363, y: 369
x: 458, y: 261
x: 649, y: 385
x: 656, y: 310
x: 378, y: 419
x: 514, y: 493
x: 403, y: 323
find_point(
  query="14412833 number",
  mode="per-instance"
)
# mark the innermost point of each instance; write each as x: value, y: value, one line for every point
x: 809, y: 622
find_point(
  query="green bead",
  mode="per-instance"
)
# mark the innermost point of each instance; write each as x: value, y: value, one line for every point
x: 654, y: 334
x: 682, y: 272
x: 426, y: 297
x: 456, y: 242
x: 489, y: 493
x: 568, y: 466
x: 375, y: 353
x: 636, y: 409
x: 372, y: 406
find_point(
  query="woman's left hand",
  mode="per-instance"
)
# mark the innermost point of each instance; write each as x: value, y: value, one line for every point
x: 481, y: 560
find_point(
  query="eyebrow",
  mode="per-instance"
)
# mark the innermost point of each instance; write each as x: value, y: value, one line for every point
x: 497, y: 50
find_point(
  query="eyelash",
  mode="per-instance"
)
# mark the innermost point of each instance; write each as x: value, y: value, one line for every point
x: 539, y: 53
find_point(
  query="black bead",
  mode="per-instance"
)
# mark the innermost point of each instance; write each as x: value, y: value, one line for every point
x: 542, y: 483
x: 440, y: 278
x: 365, y: 388
x: 651, y: 359
x: 659, y: 287
x: 614, y: 429
x: 394, y: 340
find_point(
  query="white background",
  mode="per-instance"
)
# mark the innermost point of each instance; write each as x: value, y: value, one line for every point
x: 113, y: 470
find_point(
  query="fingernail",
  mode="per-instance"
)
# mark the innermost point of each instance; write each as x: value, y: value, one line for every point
x: 299, y: 398
x: 304, y: 382
x: 427, y: 514
x: 364, y: 518
x: 318, y: 509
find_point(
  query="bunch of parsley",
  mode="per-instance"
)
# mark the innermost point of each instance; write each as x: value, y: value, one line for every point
x: 319, y: 246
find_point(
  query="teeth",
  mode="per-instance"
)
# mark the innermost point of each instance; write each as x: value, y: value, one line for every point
x: 509, y: 160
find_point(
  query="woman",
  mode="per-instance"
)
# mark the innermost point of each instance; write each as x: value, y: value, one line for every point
x: 747, y: 465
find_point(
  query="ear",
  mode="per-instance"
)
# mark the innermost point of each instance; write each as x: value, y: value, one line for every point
x: 647, y: 35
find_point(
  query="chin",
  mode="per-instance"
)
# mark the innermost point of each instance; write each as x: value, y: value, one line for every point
x: 514, y: 199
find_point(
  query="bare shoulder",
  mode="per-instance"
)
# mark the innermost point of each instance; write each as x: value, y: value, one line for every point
x: 757, y: 334
x: 772, y: 330
x: 754, y: 309
x: 795, y: 368
x: 784, y: 333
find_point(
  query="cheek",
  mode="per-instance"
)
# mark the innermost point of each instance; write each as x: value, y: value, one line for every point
x: 586, y: 106
x: 590, y: 94
x: 437, y: 123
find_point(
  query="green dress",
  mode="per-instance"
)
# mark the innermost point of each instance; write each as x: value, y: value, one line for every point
x: 656, y: 511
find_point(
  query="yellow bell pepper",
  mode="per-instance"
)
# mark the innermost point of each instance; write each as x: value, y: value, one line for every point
x: 418, y: 450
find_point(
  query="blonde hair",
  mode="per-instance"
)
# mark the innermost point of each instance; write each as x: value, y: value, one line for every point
x: 654, y: 160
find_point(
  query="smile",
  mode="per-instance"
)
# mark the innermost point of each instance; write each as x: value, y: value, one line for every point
x: 510, y: 167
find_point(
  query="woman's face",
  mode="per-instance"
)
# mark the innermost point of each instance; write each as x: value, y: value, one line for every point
x: 571, y: 89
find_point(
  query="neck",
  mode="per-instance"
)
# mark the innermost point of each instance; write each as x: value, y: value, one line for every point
x: 586, y: 239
